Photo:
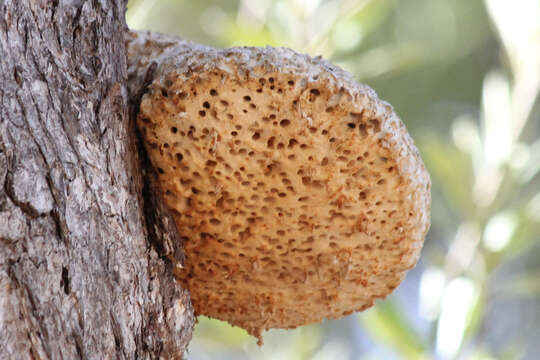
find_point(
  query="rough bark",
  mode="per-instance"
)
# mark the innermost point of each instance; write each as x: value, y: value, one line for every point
x: 79, y: 276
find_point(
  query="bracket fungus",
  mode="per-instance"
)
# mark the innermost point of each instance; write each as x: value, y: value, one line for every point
x: 299, y: 193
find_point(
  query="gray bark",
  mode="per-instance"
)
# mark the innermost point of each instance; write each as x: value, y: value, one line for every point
x: 80, y: 275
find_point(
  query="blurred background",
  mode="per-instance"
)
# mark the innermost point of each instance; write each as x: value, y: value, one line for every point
x: 464, y: 76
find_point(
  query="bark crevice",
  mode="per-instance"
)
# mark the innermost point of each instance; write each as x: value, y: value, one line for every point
x: 79, y: 278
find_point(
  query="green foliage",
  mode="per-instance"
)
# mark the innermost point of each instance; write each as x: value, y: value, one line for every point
x: 388, y: 325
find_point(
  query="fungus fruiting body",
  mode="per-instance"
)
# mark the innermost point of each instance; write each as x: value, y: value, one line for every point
x: 300, y: 194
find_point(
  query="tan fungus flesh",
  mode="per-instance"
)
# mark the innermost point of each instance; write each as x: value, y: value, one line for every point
x: 299, y: 192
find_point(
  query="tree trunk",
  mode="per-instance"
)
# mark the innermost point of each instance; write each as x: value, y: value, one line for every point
x: 80, y: 275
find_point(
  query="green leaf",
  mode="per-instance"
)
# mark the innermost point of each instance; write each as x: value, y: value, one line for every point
x: 450, y: 170
x: 524, y: 237
x: 387, y: 325
x: 220, y: 332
